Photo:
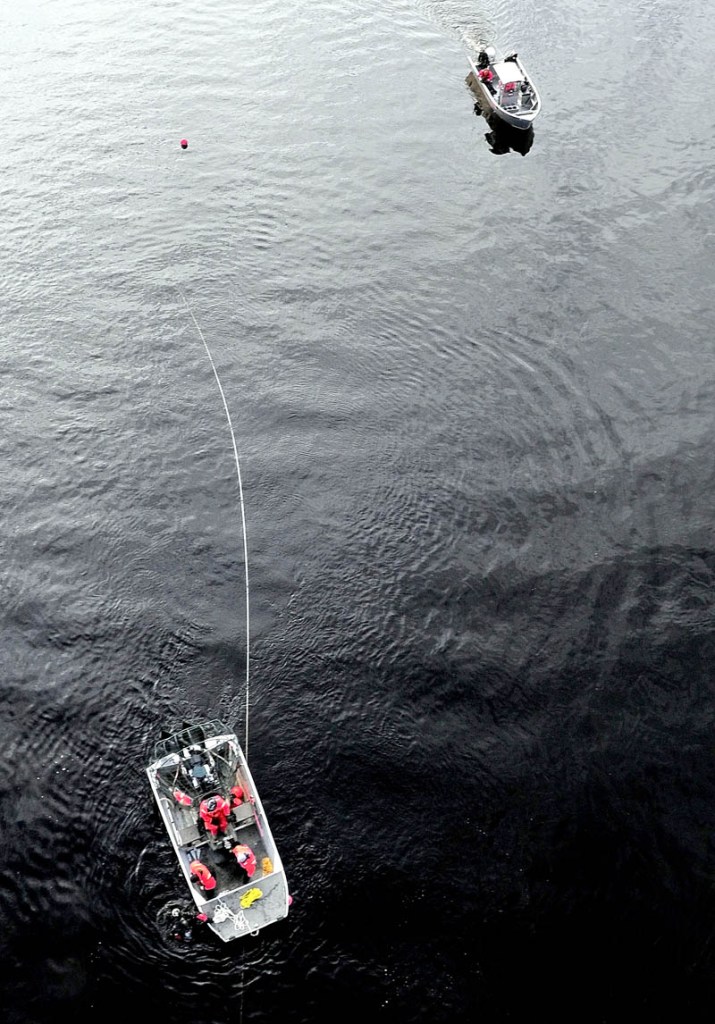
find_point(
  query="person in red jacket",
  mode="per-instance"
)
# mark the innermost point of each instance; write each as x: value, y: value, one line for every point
x: 201, y: 874
x: 237, y: 796
x: 246, y: 859
x: 214, y: 812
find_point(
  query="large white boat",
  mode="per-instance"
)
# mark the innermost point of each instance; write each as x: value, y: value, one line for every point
x: 217, y: 826
x: 502, y: 87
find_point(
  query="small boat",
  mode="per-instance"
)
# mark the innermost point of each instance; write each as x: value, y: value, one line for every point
x: 503, y: 88
x: 217, y: 826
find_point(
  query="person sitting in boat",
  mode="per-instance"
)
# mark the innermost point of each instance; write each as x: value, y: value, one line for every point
x: 201, y: 874
x: 214, y: 812
x: 486, y: 76
x: 246, y: 859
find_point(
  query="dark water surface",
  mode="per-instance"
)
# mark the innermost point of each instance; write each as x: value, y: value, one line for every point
x: 473, y: 399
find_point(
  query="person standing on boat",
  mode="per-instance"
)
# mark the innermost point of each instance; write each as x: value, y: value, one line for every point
x: 201, y: 874
x: 246, y: 859
x: 214, y: 812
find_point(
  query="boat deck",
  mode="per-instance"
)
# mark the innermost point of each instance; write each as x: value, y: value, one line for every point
x: 228, y: 918
x: 216, y: 853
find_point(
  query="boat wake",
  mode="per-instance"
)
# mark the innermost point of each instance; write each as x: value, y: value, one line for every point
x: 458, y: 18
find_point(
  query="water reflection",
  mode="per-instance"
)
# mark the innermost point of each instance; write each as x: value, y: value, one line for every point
x: 502, y: 137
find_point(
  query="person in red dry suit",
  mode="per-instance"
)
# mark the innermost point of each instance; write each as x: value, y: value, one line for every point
x: 201, y: 874
x: 246, y: 859
x: 214, y: 812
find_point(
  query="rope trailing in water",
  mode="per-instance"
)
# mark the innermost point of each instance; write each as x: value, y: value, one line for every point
x: 240, y: 494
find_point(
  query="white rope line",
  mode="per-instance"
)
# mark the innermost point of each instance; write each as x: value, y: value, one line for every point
x: 240, y: 492
x: 237, y: 918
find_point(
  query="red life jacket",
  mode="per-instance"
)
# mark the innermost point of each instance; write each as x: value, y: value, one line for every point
x: 182, y: 798
x: 236, y: 796
x: 246, y: 858
x: 201, y: 872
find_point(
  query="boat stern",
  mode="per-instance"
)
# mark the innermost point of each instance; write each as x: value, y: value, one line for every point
x: 250, y: 908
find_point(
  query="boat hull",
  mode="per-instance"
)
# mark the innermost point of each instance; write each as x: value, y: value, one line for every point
x: 237, y: 905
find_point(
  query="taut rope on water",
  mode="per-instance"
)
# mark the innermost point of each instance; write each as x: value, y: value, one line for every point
x: 240, y: 494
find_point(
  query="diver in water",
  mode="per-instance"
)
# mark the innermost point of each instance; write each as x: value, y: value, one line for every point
x: 183, y: 923
x: 183, y: 920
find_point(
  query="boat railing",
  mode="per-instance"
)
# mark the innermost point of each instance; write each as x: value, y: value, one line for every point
x: 192, y: 735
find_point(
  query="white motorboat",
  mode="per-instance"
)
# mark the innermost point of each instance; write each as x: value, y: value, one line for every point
x: 503, y: 88
x: 210, y: 807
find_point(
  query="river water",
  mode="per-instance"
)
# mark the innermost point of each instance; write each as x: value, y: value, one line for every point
x: 472, y: 393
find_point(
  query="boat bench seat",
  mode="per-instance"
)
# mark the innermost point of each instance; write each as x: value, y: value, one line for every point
x: 189, y: 835
x: 242, y: 815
